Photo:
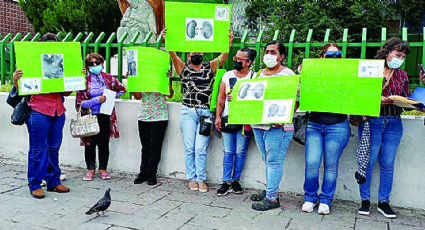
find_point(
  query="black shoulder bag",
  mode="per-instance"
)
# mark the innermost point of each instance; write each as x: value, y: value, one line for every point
x: 21, y: 110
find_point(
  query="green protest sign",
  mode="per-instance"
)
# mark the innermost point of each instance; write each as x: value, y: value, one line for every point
x: 49, y: 67
x: 264, y: 100
x: 347, y: 86
x: 197, y: 27
x: 147, y: 70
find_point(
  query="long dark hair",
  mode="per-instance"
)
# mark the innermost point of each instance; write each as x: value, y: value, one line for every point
x: 251, y: 54
x: 390, y: 45
x: 48, y: 37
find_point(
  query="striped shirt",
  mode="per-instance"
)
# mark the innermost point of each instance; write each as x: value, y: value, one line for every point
x: 398, y: 85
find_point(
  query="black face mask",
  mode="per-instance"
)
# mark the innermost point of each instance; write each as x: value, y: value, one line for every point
x: 196, y: 59
x: 238, y: 65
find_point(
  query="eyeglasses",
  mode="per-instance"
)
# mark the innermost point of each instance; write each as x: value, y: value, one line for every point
x: 89, y: 63
x: 333, y: 54
x: 240, y: 59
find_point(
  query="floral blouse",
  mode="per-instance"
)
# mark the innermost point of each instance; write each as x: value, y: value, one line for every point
x: 153, y: 107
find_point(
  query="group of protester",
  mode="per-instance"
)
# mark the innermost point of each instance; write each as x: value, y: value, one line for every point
x: 327, y: 133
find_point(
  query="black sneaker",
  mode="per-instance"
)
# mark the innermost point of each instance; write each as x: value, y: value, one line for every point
x: 266, y: 204
x: 258, y: 197
x: 225, y: 188
x: 365, y: 208
x: 385, y: 209
x: 142, y: 177
x: 236, y: 187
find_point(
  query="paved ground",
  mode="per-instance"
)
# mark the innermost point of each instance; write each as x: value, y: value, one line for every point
x: 169, y: 205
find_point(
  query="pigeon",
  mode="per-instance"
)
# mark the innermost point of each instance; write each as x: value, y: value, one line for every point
x: 101, y: 205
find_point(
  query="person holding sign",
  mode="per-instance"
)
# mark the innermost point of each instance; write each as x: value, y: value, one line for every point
x: 327, y: 135
x: 387, y: 129
x: 92, y: 98
x: 235, y: 144
x: 45, y: 126
x: 272, y: 140
x: 197, y: 83
x: 153, y: 121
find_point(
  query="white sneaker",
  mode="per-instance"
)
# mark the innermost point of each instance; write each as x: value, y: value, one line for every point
x: 43, y: 183
x: 62, y: 177
x: 307, y: 207
x: 323, y: 209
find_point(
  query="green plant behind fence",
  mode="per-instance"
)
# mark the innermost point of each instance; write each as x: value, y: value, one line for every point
x: 109, y: 46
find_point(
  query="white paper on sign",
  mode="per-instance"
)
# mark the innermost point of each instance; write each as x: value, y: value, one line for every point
x: 108, y: 105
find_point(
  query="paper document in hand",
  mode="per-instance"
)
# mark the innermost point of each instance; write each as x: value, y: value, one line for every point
x: 108, y: 105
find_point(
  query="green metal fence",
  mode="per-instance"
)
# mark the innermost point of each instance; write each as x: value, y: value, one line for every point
x: 109, y: 45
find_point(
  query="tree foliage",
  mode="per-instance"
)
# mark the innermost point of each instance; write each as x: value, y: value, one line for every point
x: 72, y: 15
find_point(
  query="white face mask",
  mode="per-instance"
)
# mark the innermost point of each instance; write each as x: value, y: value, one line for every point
x: 270, y: 60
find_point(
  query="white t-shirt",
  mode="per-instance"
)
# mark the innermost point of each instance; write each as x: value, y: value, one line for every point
x: 284, y: 72
x: 228, y: 77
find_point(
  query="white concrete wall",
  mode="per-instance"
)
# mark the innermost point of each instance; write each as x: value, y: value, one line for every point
x: 408, y: 186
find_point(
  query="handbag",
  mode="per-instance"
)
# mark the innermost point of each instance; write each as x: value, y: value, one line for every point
x: 205, y: 124
x: 229, y: 128
x: 21, y: 112
x: 85, y: 126
x: 300, y: 128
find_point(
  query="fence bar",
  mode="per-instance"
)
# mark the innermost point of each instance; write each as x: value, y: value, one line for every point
x: 12, y: 52
x: 67, y: 37
x: 85, y: 43
x: 108, y: 52
x: 158, y: 42
x: 125, y: 35
x: 134, y: 39
x: 147, y: 38
x: 383, y: 36
x: 26, y: 38
x: 243, y: 39
x: 59, y: 35
x: 36, y: 37
x: 276, y: 34
x: 307, y: 45
x: 97, y: 42
x: 3, y: 58
x: 257, y: 48
x: 78, y: 37
x: 404, y: 34
x: 363, y: 50
x: 326, y: 40
x: 344, y: 43
x: 291, y: 48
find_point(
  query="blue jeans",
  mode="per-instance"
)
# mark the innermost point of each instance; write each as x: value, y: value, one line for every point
x: 328, y: 141
x: 45, y: 135
x: 385, y: 136
x: 195, y: 145
x: 235, y: 145
x: 272, y: 145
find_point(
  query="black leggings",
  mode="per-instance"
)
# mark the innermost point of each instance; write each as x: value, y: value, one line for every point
x: 151, y: 135
x: 102, y: 142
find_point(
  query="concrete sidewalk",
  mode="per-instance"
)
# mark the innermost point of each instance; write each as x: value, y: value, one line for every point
x: 169, y: 205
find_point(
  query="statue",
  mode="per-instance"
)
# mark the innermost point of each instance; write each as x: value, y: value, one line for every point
x: 141, y: 16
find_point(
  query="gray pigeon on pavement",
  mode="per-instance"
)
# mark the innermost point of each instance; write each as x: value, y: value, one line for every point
x: 101, y: 205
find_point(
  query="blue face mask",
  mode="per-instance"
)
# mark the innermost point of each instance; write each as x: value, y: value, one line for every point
x: 96, y: 69
x: 395, y: 63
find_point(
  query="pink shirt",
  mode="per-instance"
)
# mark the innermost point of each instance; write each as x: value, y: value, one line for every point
x: 48, y: 104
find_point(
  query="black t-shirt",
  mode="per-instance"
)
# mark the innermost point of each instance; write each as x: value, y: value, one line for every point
x: 197, y: 85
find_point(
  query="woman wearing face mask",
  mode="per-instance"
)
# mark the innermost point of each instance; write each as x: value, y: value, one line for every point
x: 197, y: 83
x: 92, y: 98
x: 327, y: 135
x: 45, y: 126
x: 272, y: 140
x: 235, y: 144
x: 386, y: 130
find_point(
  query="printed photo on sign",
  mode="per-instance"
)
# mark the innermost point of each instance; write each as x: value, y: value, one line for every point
x: 252, y: 90
x: 371, y: 68
x: 277, y: 110
x: 199, y: 29
x: 30, y: 85
x: 74, y: 83
x: 52, y: 66
x: 132, y: 62
x: 222, y: 13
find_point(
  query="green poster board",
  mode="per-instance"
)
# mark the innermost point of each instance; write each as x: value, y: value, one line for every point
x: 197, y: 27
x: 49, y: 67
x: 264, y: 100
x: 147, y: 70
x: 347, y: 86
